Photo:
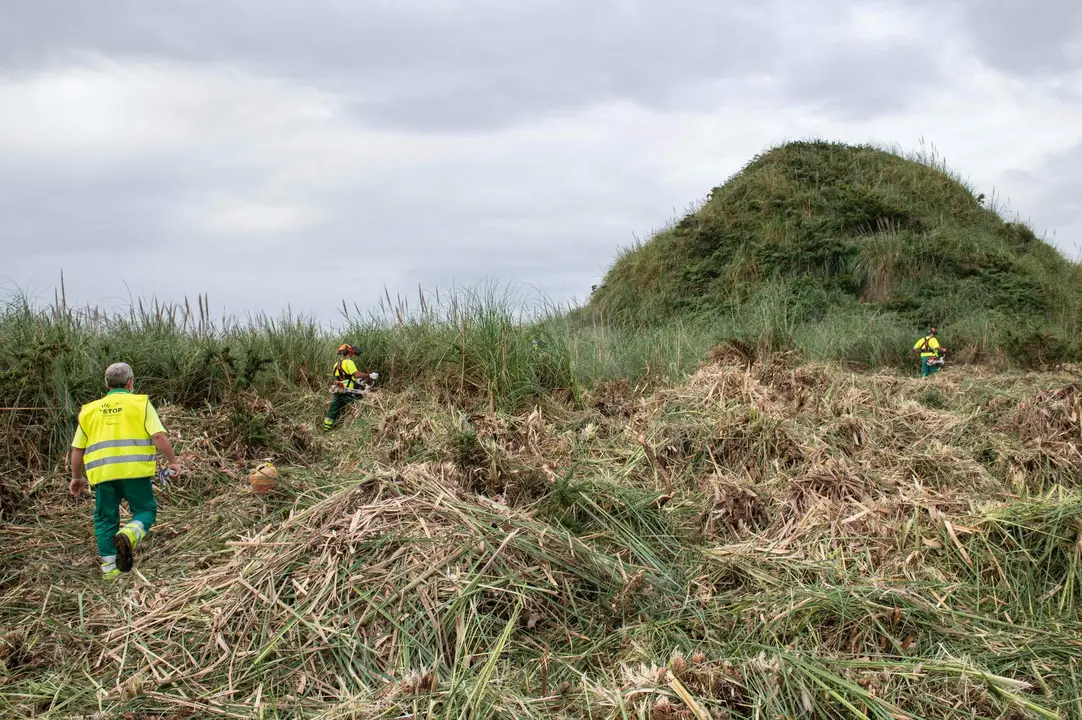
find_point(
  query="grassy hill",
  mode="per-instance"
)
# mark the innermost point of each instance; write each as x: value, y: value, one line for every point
x: 849, y: 253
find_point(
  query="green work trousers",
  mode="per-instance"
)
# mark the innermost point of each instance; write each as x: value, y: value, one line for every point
x: 926, y: 369
x: 139, y: 492
x: 339, y: 401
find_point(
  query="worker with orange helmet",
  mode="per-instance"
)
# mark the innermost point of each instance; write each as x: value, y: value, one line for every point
x: 349, y: 383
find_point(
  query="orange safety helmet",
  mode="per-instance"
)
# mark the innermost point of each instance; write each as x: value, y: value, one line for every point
x: 348, y: 350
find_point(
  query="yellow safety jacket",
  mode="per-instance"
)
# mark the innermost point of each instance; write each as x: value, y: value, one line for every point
x: 928, y: 346
x: 343, y: 373
x: 115, y: 433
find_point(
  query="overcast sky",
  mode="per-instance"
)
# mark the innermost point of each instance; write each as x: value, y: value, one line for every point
x: 274, y: 152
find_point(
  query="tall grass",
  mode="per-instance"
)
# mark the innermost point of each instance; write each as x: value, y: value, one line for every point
x: 472, y: 347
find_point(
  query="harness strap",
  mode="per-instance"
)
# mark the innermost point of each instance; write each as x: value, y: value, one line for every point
x: 341, y: 376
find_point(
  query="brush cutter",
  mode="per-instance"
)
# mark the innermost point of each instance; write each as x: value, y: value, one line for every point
x: 364, y: 386
x: 937, y: 359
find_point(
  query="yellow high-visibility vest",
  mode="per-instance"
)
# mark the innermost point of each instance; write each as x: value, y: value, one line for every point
x: 343, y: 373
x: 928, y: 345
x: 115, y: 433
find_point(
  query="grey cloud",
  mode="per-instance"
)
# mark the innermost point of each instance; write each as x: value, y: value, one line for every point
x: 532, y: 213
x: 868, y: 80
x: 120, y: 229
x: 465, y: 66
x: 1032, y: 37
x: 1055, y: 188
x: 44, y: 210
x: 1029, y: 38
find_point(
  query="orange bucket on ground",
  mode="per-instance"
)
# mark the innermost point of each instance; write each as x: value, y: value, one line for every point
x: 263, y: 478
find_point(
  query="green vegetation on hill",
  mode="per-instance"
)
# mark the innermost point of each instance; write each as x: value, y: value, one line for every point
x: 848, y: 253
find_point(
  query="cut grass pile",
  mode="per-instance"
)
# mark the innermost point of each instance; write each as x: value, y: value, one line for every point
x: 765, y: 539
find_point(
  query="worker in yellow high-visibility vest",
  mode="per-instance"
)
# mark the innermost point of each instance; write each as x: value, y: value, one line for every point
x: 930, y: 350
x: 116, y: 445
x: 347, y: 380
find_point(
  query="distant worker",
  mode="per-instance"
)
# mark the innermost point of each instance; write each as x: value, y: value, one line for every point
x: 931, y: 353
x: 116, y: 444
x: 349, y: 383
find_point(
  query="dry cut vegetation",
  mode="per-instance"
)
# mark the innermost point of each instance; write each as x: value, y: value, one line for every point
x: 766, y: 539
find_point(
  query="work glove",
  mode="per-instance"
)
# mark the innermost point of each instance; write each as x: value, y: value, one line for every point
x: 373, y: 376
x: 165, y: 475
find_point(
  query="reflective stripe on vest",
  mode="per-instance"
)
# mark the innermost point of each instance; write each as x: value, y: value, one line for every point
x: 118, y: 459
x: 118, y: 444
